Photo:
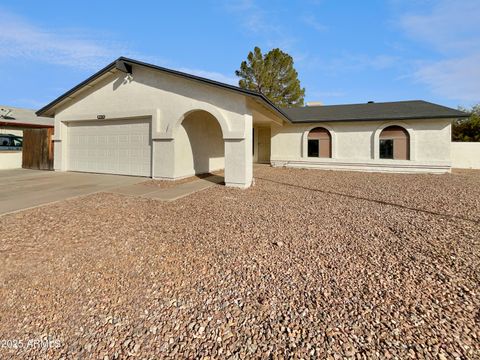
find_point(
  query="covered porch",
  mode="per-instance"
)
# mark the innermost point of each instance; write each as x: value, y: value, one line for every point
x: 203, y: 144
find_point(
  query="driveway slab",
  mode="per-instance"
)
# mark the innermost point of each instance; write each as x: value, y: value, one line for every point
x: 22, y: 188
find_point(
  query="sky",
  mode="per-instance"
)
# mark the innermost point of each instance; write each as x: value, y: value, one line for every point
x: 345, y: 51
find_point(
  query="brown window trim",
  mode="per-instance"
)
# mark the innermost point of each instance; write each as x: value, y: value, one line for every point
x: 324, y: 138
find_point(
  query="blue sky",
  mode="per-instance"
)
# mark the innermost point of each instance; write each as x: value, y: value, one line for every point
x: 344, y: 51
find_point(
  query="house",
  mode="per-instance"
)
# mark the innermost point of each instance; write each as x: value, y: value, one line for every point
x: 403, y: 136
x: 13, y: 122
x: 135, y: 118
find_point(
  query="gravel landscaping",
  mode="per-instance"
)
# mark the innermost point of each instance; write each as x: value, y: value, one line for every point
x: 305, y: 264
x: 167, y: 184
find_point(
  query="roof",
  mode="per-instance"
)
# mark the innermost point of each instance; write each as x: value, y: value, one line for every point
x: 14, y: 116
x: 124, y: 64
x: 398, y: 110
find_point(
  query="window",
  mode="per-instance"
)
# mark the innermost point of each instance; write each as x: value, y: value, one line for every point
x: 17, y: 142
x: 313, y: 147
x: 386, y: 148
x: 10, y: 142
x: 4, y: 141
x: 394, y: 143
x: 319, y: 143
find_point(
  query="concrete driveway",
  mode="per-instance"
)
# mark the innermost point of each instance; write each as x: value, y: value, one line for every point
x: 22, y: 188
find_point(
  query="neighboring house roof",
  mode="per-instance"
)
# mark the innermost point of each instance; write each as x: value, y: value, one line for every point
x: 398, y: 110
x: 19, y: 117
x: 124, y: 64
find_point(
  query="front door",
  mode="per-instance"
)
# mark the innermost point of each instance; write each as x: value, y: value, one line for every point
x: 264, y: 136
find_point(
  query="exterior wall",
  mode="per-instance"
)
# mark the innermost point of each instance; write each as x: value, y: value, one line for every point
x: 355, y: 146
x: 165, y: 97
x: 11, y: 130
x: 466, y: 155
x: 167, y: 100
x: 10, y: 159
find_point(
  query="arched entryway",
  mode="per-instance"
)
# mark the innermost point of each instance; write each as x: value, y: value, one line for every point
x: 394, y: 143
x: 319, y: 143
x: 199, y: 145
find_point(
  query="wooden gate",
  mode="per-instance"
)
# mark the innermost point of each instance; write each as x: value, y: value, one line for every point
x: 37, y: 150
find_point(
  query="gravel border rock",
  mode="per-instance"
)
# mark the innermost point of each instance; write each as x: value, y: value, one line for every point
x: 305, y: 264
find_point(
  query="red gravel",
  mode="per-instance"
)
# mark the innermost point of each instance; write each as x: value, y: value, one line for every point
x: 307, y: 263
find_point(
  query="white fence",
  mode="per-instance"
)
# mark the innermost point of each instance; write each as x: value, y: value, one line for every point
x: 10, y: 160
x: 465, y: 155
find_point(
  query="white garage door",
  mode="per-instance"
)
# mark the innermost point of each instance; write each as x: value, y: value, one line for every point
x: 111, y: 146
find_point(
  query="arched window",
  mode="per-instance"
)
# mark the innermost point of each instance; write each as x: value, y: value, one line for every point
x: 319, y: 143
x: 394, y: 143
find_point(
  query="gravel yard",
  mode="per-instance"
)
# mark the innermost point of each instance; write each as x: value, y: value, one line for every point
x: 305, y: 264
x: 166, y: 184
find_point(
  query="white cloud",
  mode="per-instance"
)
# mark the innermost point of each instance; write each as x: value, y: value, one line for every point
x: 378, y: 62
x: 241, y: 5
x: 212, y: 75
x: 451, y: 28
x: 262, y: 22
x: 456, y: 78
x: 450, y: 25
x: 253, y: 18
x: 21, y: 39
x: 348, y: 62
x: 311, y: 21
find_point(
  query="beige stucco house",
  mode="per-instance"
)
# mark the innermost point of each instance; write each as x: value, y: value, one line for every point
x: 134, y: 118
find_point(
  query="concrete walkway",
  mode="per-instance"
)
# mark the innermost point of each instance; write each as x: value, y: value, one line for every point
x: 171, y: 193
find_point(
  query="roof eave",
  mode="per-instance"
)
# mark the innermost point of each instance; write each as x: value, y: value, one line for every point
x: 44, y: 110
x: 210, y: 82
x: 26, y: 125
x: 384, y: 119
x: 115, y: 65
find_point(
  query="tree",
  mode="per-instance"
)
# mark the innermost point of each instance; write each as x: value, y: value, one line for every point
x: 273, y: 75
x: 467, y: 129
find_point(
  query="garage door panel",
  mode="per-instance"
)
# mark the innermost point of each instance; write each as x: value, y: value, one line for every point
x: 115, y: 147
x: 111, y: 140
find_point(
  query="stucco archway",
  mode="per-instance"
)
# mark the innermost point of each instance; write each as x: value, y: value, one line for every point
x: 333, y: 139
x: 378, y: 131
x: 394, y: 143
x: 199, y: 144
x: 213, y: 111
x: 196, y: 148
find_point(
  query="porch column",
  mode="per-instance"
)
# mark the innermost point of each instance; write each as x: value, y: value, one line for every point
x: 239, y: 159
x: 60, y: 138
x: 163, y: 159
